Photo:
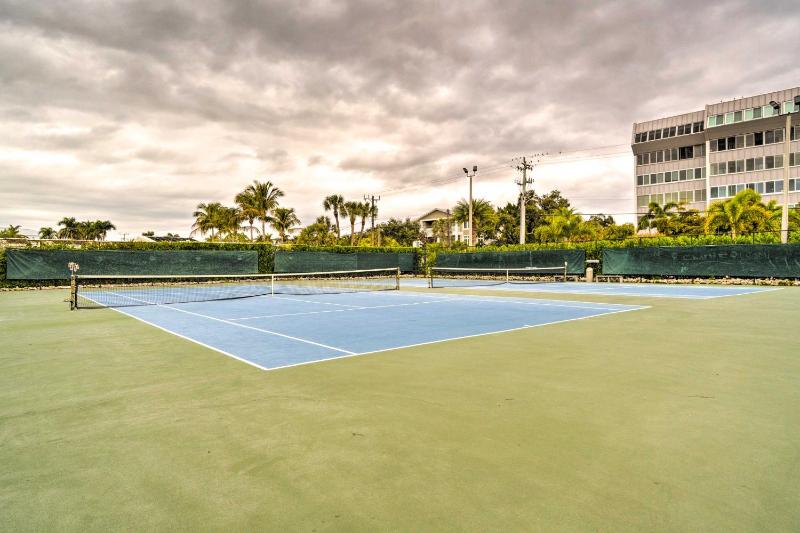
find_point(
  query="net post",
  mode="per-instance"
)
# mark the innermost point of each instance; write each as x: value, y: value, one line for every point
x: 566, y: 266
x: 272, y: 285
x: 73, y: 285
x: 508, y: 278
x: 397, y: 279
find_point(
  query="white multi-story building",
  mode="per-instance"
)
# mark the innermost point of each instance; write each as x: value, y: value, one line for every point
x: 709, y: 155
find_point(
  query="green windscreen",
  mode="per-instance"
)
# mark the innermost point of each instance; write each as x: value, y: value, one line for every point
x: 747, y: 261
x: 575, y: 259
x: 305, y: 261
x: 52, y: 264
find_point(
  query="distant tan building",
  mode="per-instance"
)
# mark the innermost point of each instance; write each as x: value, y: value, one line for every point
x: 458, y: 232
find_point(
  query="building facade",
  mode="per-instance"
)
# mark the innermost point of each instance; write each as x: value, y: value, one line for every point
x: 705, y: 156
x: 458, y: 232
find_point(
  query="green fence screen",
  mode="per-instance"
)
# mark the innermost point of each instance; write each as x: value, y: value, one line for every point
x: 52, y: 264
x: 742, y: 260
x: 305, y: 261
x: 575, y: 259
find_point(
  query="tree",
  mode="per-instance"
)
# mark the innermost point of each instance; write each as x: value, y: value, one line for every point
x: 284, y: 220
x: 228, y: 221
x: 47, y: 233
x: 744, y: 212
x: 148, y: 233
x: 443, y: 230
x: 99, y: 229
x: 351, y: 210
x: 481, y: 211
x: 317, y: 234
x: 602, y: 220
x: 565, y: 224
x: 363, y: 212
x: 11, y: 232
x: 70, y: 228
x: 334, y: 203
x: 249, y: 207
x: 660, y: 218
x: 404, y: 232
x: 619, y: 232
x: 265, y: 197
x: 206, y: 218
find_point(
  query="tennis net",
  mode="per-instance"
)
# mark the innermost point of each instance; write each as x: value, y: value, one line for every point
x: 122, y: 291
x: 479, y: 277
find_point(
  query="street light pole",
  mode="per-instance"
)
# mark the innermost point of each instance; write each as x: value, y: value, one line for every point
x: 470, y: 176
x: 787, y: 150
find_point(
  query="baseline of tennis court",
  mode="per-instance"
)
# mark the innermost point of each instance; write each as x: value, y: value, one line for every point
x: 650, y: 290
x: 271, y: 332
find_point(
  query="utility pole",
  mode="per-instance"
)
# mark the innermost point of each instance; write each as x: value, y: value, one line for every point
x: 372, y: 211
x: 470, y: 176
x: 524, y: 167
x: 787, y: 144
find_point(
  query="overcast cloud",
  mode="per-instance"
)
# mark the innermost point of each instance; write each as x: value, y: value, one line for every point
x: 136, y: 111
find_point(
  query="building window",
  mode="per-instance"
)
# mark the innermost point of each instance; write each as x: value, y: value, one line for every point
x: 756, y: 112
x: 737, y: 116
x: 758, y: 138
x: 750, y: 165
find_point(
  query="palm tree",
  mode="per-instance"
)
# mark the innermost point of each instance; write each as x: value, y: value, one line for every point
x: 265, y: 200
x: 47, y: 233
x: 228, y: 220
x: 11, y: 232
x: 102, y: 227
x: 334, y: 203
x: 743, y: 212
x: 284, y: 220
x: 206, y: 218
x: 660, y: 217
x: 248, y: 205
x: 70, y: 229
x: 351, y: 210
x: 481, y: 211
x: 363, y: 212
x: 564, y: 225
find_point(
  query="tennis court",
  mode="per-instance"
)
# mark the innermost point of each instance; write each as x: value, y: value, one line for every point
x: 275, y: 331
x: 645, y: 290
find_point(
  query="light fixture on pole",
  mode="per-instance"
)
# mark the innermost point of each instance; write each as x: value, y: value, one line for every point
x: 787, y: 140
x: 470, y: 176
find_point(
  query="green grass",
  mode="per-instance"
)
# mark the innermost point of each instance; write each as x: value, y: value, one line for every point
x: 682, y: 417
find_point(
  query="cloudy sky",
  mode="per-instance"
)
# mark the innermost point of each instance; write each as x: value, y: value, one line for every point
x: 136, y: 111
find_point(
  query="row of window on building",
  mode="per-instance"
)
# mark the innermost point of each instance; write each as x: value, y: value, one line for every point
x: 758, y: 138
x: 665, y: 133
x: 761, y: 187
x: 674, y: 154
x: 751, y: 113
x: 671, y: 176
x: 678, y: 197
x: 752, y: 164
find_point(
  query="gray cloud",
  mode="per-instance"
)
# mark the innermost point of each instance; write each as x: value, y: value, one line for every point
x: 147, y: 108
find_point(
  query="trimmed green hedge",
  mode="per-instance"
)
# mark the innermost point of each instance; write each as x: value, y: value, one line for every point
x: 266, y: 253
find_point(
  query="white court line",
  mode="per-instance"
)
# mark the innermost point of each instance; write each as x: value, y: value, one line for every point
x: 184, y: 337
x: 336, y: 357
x: 235, y: 324
x: 308, y: 301
x: 343, y: 310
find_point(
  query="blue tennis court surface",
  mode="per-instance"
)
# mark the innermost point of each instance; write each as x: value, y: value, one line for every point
x: 654, y: 290
x: 277, y: 331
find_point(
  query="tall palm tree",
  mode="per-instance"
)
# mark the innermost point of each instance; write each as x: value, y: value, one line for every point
x: 248, y: 205
x: 102, y: 227
x: 265, y: 200
x: 564, y: 224
x: 661, y: 218
x: 206, y: 217
x: 47, y: 233
x: 482, y: 210
x: 363, y: 212
x: 743, y: 212
x: 228, y: 221
x: 351, y: 210
x: 11, y: 232
x: 334, y: 203
x: 284, y: 221
x: 70, y: 229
